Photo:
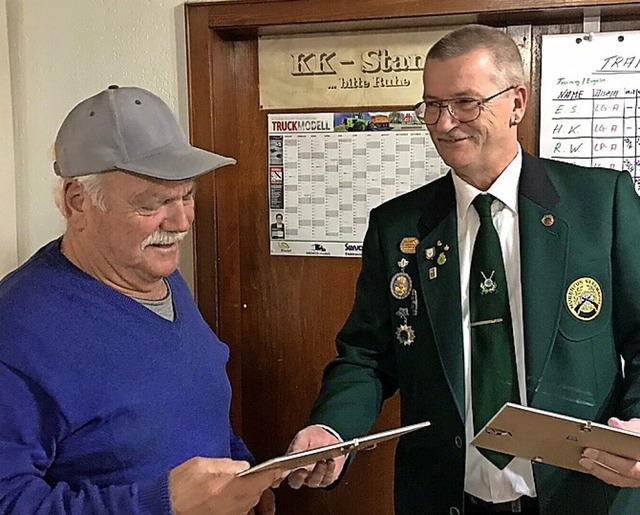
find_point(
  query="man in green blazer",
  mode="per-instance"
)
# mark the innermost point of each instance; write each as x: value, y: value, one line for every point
x: 570, y: 240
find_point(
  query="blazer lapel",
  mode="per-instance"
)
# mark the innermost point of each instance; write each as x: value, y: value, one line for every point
x: 439, y: 275
x: 543, y: 251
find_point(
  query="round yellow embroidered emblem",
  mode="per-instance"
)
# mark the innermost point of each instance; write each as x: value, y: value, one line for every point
x: 584, y: 298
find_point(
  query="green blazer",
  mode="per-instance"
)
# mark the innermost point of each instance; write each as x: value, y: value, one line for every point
x: 573, y: 351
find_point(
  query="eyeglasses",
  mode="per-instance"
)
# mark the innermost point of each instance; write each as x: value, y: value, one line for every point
x: 464, y: 109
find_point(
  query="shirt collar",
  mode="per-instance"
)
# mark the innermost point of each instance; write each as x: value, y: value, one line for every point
x: 505, y: 187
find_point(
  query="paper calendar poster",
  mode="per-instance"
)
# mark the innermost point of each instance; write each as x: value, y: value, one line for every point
x: 328, y: 170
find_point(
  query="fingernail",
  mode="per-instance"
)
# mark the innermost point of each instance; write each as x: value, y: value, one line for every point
x: 590, y: 453
x: 586, y: 464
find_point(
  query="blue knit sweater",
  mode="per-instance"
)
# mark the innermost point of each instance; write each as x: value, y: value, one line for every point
x: 100, y: 397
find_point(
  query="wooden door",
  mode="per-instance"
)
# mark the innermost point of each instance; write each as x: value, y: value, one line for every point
x: 279, y: 315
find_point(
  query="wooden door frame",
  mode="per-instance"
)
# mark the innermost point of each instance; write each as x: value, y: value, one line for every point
x: 213, y: 27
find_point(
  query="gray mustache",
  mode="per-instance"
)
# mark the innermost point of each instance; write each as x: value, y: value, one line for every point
x: 163, y: 238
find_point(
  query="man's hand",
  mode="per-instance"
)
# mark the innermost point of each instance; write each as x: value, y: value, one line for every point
x: 323, y: 473
x: 267, y: 504
x: 612, y: 469
x: 210, y: 486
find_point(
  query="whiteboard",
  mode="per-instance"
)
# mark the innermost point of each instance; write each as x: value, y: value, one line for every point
x: 590, y: 101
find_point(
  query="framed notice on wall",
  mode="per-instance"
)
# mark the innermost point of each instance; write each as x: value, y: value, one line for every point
x: 590, y: 100
x: 328, y: 170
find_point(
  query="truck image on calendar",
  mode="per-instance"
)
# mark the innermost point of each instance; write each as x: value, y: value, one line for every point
x: 357, y: 123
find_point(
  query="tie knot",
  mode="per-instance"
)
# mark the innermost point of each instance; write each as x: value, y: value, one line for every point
x: 482, y: 203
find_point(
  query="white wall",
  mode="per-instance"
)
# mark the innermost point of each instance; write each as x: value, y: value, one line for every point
x: 8, y: 227
x: 60, y: 52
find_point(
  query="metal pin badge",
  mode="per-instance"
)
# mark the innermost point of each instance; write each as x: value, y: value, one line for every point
x: 405, y: 334
x: 547, y: 220
x: 401, y: 283
x: 408, y: 244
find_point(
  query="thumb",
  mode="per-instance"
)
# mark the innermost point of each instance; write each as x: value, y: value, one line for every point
x: 263, y: 479
x: 223, y: 465
x: 615, y: 422
x: 632, y: 424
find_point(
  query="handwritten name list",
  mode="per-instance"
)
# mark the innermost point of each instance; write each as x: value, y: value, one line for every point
x: 590, y: 100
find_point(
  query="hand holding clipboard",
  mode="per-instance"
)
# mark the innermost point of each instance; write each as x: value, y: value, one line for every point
x: 555, y: 439
x: 304, y: 458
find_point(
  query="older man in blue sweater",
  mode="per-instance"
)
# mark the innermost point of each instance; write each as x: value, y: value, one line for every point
x: 113, y: 391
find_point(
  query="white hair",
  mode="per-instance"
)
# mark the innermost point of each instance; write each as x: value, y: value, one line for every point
x: 92, y: 185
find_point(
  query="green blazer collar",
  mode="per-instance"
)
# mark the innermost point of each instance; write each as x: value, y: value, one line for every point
x: 439, y: 202
x: 535, y: 183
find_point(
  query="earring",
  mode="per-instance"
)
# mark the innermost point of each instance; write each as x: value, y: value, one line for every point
x: 514, y: 122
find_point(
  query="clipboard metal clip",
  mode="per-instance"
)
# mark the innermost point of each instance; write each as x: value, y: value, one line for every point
x: 497, y: 432
x: 586, y: 427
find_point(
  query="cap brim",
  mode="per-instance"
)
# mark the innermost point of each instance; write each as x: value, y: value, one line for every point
x: 177, y: 164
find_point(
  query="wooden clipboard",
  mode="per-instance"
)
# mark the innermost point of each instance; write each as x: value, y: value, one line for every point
x: 304, y: 458
x: 545, y: 437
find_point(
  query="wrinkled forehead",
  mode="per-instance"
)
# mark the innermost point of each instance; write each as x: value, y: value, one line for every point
x: 472, y: 74
x: 126, y: 184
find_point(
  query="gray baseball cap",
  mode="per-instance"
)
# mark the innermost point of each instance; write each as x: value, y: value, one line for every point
x: 129, y: 129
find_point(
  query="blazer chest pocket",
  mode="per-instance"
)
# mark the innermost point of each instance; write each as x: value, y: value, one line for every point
x: 586, y: 306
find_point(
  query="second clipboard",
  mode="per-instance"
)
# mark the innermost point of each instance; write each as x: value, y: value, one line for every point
x: 545, y: 437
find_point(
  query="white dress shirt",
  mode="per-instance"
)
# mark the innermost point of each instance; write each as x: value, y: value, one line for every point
x: 482, y: 478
